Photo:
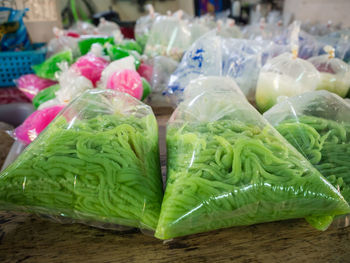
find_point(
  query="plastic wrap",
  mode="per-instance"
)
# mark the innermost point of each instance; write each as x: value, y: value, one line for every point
x: 335, y: 73
x: 228, y: 29
x: 284, y: 75
x: 50, y: 66
x: 126, y: 80
x: 144, y: 25
x: 317, y: 124
x: 86, y: 43
x: 117, y: 52
x: 117, y: 65
x: 228, y: 167
x: 169, y: 36
x: 14, y: 35
x: 31, y: 85
x: 63, y: 40
x: 212, y: 55
x: 45, y: 95
x: 97, y: 163
x: 91, y: 67
x: 72, y: 84
x: 29, y: 130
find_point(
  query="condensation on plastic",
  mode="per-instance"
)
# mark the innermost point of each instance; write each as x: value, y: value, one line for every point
x: 212, y: 55
x: 97, y: 163
x: 169, y: 36
x: 335, y: 73
x: 228, y: 167
x: 284, y: 75
x: 317, y: 124
x: 31, y: 85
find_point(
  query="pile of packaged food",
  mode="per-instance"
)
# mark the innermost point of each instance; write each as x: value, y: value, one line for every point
x: 260, y: 130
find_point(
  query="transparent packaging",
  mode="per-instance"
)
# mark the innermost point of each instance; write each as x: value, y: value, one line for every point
x: 29, y: 130
x: 162, y: 68
x: 31, y: 84
x: 335, y: 73
x: 317, y: 124
x: 143, y: 26
x: 72, y: 84
x: 50, y: 66
x: 284, y: 75
x: 170, y: 36
x: 97, y: 163
x: 213, y: 55
x: 90, y: 66
x: 228, y: 167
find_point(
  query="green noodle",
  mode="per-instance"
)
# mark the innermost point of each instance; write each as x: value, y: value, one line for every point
x: 326, y: 144
x: 103, y: 169
x: 228, y: 173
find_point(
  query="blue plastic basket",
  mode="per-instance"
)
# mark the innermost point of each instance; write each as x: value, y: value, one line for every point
x: 15, y: 64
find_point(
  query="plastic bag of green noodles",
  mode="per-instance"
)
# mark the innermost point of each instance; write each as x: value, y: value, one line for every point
x: 228, y: 167
x: 317, y: 124
x: 96, y: 163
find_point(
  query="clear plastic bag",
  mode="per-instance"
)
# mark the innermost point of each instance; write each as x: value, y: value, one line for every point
x: 169, y: 36
x: 61, y: 42
x: 96, y: 163
x: 317, y: 124
x: 335, y: 73
x: 90, y: 66
x: 72, y: 84
x: 31, y: 84
x: 162, y: 68
x: 143, y: 26
x: 228, y: 167
x: 284, y: 75
x: 29, y: 130
x: 228, y: 29
x: 212, y: 55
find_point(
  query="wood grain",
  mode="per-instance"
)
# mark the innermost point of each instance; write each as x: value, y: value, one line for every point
x: 27, y: 238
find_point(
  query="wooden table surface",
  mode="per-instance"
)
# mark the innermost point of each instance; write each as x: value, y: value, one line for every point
x: 27, y: 238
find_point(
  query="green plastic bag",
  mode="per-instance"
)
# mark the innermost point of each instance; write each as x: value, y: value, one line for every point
x: 49, y: 67
x: 96, y: 163
x: 228, y: 167
x: 85, y: 44
x: 115, y: 53
x: 45, y: 95
x: 131, y: 45
x: 317, y: 124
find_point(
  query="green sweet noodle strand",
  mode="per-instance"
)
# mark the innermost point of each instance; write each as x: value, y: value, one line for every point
x: 326, y: 144
x: 102, y: 169
x: 228, y: 173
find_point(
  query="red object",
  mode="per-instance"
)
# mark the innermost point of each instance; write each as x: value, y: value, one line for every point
x: 12, y: 95
x: 73, y: 34
x: 128, y: 32
x: 145, y: 71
